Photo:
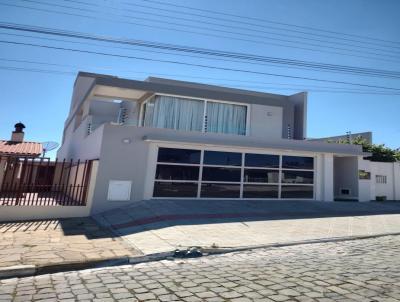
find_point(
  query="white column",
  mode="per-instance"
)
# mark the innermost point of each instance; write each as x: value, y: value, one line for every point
x: 328, y: 186
x: 318, y: 178
x: 396, y: 180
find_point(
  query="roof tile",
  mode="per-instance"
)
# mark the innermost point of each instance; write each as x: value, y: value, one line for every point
x: 20, y: 148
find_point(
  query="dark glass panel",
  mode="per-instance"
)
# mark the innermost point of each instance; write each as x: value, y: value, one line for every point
x: 170, y: 172
x: 221, y: 174
x: 175, y: 189
x: 257, y: 175
x: 261, y: 160
x: 297, y: 162
x: 260, y: 191
x: 220, y: 190
x: 297, y: 192
x: 181, y: 156
x: 297, y: 177
x: 222, y: 158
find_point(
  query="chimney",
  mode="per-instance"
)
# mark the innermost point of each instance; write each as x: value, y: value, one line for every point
x: 18, y: 134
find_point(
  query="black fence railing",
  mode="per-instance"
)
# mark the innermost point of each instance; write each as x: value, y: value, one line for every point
x: 42, y: 182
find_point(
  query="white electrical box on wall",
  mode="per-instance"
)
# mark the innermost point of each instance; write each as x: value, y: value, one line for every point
x: 119, y: 190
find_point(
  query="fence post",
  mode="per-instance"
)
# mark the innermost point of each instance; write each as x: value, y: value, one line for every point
x: 92, y: 177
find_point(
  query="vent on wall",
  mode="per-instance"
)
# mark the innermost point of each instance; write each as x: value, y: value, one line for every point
x: 122, y: 115
x: 344, y: 191
x: 381, y: 179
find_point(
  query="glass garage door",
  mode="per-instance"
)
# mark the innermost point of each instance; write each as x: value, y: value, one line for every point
x: 194, y: 173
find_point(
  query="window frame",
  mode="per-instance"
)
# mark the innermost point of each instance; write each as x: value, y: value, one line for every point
x: 205, y: 100
x: 242, y: 182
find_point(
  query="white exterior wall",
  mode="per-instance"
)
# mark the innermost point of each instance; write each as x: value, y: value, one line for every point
x: 323, y: 179
x: 390, y: 189
x: 364, y: 185
x: 396, y: 174
x: 78, y: 145
x: 346, y: 177
x: 265, y: 121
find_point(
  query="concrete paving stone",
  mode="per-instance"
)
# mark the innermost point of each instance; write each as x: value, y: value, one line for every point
x: 145, y: 296
x: 352, y: 265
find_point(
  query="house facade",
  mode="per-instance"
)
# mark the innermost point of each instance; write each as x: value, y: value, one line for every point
x: 161, y: 138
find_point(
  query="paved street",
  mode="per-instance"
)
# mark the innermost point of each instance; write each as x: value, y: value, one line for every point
x: 361, y: 270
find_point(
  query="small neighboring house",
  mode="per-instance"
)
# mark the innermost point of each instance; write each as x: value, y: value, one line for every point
x: 15, y: 148
x: 161, y: 138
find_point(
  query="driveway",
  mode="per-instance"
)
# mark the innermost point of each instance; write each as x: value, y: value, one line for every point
x: 163, y: 225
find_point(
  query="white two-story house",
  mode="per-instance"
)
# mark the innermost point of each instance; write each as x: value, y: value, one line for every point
x: 161, y: 138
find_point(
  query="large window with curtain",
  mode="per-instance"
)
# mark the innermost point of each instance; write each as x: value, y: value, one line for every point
x: 226, y: 118
x: 178, y: 113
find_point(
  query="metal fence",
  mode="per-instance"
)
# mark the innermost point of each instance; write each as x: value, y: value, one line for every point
x: 41, y: 182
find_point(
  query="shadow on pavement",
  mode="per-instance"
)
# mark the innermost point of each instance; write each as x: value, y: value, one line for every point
x: 157, y: 214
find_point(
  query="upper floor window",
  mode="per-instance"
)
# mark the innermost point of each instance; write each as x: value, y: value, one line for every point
x: 226, y: 118
x: 174, y: 113
x: 195, y: 115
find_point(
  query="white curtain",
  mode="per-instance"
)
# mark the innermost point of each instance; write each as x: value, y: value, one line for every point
x: 174, y: 113
x: 226, y: 118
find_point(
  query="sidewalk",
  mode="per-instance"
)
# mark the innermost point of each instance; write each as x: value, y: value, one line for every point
x: 162, y: 226
x: 52, y: 242
x: 157, y: 226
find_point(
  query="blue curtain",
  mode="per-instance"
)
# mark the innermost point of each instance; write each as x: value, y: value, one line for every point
x: 174, y: 113
x: 226, y: 118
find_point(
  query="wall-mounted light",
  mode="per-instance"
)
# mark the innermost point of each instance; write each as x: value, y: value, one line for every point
x: 126, y: 140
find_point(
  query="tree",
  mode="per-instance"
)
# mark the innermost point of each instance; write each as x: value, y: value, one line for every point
x: 380, y: 153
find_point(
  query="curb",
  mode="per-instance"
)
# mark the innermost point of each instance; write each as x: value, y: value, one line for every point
x: 223, y: 250
x: 32, y: 270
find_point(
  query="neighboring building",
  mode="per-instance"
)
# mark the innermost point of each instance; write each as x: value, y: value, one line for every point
x: 17, y: 147
x: 162, y: 138
x: 12, y: 149
x: 375, y: 179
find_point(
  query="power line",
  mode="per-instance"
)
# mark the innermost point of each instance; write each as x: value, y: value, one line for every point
x: 274, y: 64
x: 197, y: 27
x: 209, y: 34
x: 195, y: 65
x: 304, y: 87
x: 71, y: 73
x: 274, y: 22
x: 218, y: 24
x: 203, y: 51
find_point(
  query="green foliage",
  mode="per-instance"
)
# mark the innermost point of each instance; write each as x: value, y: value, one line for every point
x: 380, y: 153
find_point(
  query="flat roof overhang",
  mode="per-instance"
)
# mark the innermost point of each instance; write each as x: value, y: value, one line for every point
x: 249, y: 142
x: 202, y: 91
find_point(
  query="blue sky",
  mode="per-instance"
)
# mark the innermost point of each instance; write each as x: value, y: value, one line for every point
x: 41, y: 100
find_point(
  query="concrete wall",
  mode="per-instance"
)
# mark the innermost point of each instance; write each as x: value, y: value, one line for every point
x: 265, y: 121
x: 121, y: 161
x: 300, y: 115
x: 364, y: 185
x: 345, y: 175
x: 396, y: 175
x: 79, y: 145
x: 390, y: 189
x: 324, y: 181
